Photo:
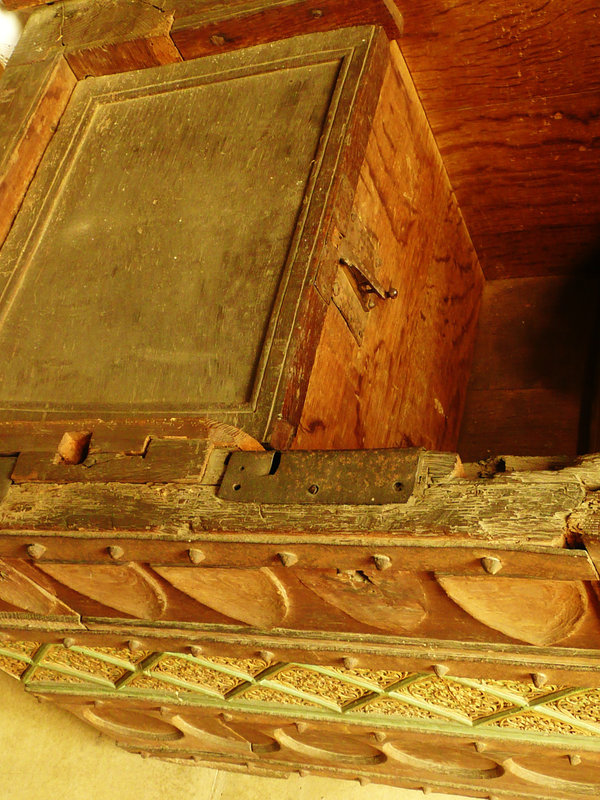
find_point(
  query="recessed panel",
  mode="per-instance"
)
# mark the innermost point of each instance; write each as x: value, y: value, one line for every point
x: 150, y: 274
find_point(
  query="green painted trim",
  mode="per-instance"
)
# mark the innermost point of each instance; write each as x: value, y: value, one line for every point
x: 116, y: 662
x: 295, y: 713
x: 35, y: 662
x: 194, y: 689
x: 15, y: 656
x: 85, y: 676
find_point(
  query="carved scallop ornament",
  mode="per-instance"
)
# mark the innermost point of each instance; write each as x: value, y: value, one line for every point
x: 538, y: 612
x: 255, y: 597
x: 394, y: 603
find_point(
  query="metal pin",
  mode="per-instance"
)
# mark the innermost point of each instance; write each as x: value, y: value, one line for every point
x: 195, y: 555
x: 575, y: 759
x: 69, y: 641
x: 301, y: 727
x: 480, y: 746
x: 364, y: 781
x: 266, y: 655
x: 441, y: 670
x: 134, y: 645
x: 226, y: 717
x: 196, y: 650
x: 382, y: 562
x: 36, y: 550
x: 350, y: 662
x: 491, y: 564
x: 116, y: 552
x: 288, y: 559
x: 539, y: 679
x: 379, y: 736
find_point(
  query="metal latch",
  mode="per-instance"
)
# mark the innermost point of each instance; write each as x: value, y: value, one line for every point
x: 365, y: 283
x: 353, y: 477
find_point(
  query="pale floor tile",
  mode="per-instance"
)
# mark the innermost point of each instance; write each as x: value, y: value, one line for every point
x: 232, y: 786
x: 48, y: 754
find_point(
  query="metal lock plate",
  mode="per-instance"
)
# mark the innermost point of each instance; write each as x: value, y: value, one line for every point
x: 353, y: 477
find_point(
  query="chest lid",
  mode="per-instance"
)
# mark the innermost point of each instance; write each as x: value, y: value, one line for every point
x: 158, y: 262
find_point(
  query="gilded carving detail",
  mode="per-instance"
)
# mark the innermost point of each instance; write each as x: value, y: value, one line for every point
x: 44, y: 675
x: 325, y: 686
x: 188, y: 671
x: 529, y: 720
x: 121, y: 653
x: 472, y: 703
x: 12, y: 666
x: 584, y: 706
x: 526, y: 690
x: 83, y: 663
x: 24, y: 648
x: 249, y: 666
x: 381, y: 678
x: 265, y: 694
x: 327, y: 691
x: 391, y: 706
x: 143, y: 681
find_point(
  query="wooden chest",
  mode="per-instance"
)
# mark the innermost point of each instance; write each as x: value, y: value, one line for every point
x: 237, y: 311
x: 264, y: 237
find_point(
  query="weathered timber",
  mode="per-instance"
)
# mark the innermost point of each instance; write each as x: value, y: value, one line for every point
x: 162, y: 461
x: 120, y: 436
x: 515, y: 114
x: 336, y: 77
x: 99, y: 37
x: 515, y: 508
x: 495, y: 148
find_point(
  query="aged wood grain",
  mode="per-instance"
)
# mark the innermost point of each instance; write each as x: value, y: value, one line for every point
x: 32, y: 100
x: 395, y: 603
x: 464, y: 53
x: 342, y: 182
x: 120, y: 436
x: 521, y: 507
x: 99, y: 37
x: 125, y: 587
x: 406, y: 384
x: 256, y: 597
x: 218, y: 26
x: 534, y: 345
x: 19, y: 590
x: 539, y: 612
x: 523, y: 172
x: 162, y: 461
x: 523, y: 422
x: 277, y: 742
